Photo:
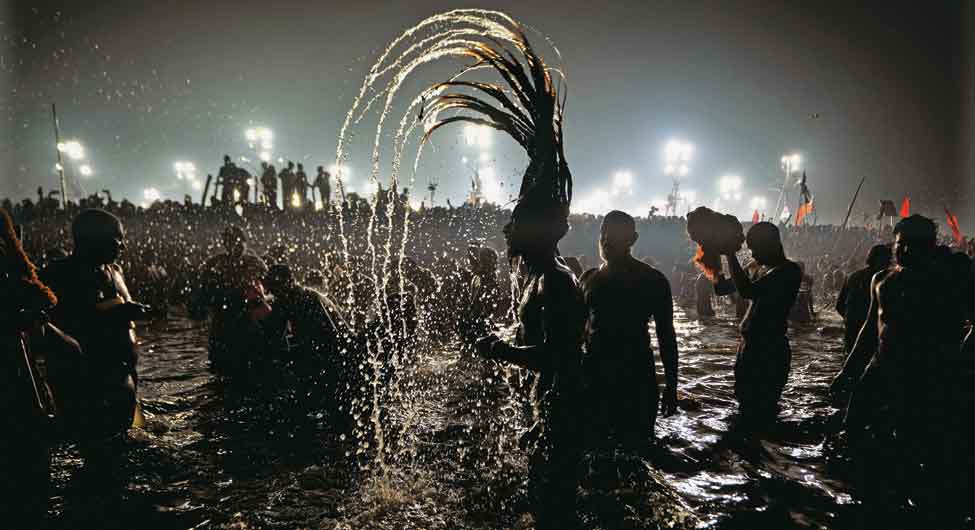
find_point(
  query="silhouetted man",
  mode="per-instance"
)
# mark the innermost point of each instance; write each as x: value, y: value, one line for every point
x: 764, y: 356
x: 853, y: 301
x: 95, y: 308
x: 304, y: 310
x: 228, y: 181
x: 243, y: 185
x: 287, y: 177
x: 324, y: 186
x: 233, y: 289
x: 269, y: 181
x: 622, y: 296
x: 301, y: 186
x: 904, y: 352
x: 702, y: 291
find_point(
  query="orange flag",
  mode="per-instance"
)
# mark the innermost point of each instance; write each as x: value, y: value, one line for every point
x: 953, y: 224
x: 803, y: 211
x: 755, y: 217
x: 906, y: 207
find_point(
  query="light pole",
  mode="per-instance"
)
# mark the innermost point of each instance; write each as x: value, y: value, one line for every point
x: 677, y: 158
x: 790, y: 163
x: 477, y: 136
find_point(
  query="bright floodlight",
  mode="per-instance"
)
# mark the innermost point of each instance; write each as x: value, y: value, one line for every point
x: 265, y: 144
x: 677, y: 151
x: 85, y: 170
x: 623, y: 180
x: 730, y: 187
x: 264, y: 156
x: 196, y: 185
x: 73, y: 149
x: 677, y: 156
x: 58, y: 167
x: 251, y: 135
x: 791, y: 162
x: 151, y: 195
x: 759, y: 203
x: 622, y: 183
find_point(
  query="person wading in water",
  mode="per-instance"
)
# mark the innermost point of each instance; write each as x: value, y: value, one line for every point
x: 764, y: 356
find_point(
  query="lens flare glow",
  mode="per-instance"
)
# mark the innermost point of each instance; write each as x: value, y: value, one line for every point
x: 477, y: 135
x: 73, y: 149
x: 151, y: 195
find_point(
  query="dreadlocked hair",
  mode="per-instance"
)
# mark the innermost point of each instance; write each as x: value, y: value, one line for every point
x: 21, y: 267
x: 527, y: 106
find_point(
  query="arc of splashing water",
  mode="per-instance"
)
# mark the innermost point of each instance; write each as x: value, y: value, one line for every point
x: 453, y: 43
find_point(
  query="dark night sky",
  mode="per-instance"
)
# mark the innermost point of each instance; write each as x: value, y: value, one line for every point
x: 146, y: 83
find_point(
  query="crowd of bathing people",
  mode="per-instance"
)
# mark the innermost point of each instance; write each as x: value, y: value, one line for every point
x: 317, y: 289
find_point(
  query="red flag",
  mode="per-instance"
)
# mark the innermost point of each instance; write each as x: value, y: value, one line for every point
x: 953, y: 224
x: 906, y: 207
x: 755, y: 217
x: 804, y: 210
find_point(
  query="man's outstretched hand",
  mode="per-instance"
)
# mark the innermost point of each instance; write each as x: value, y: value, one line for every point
x: 133, y: 311
x: 485, y: 346
x: 669, y: 404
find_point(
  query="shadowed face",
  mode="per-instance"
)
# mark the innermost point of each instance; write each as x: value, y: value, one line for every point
x: 103, y: 243
x: 615, y: 240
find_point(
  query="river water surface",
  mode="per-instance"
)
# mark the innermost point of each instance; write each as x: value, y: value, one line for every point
x: 220, y: 455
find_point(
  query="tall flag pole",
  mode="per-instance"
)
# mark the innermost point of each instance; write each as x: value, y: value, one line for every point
x: 57, y: 148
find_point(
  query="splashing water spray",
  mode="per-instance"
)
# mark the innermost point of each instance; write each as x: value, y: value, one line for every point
x: 525, y: 105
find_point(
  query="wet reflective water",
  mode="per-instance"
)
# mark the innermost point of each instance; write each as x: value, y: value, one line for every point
x: 220, y: 455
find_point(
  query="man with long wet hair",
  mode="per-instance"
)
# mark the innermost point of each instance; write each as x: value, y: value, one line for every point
x: 24, y: 439
x: 764, y: 355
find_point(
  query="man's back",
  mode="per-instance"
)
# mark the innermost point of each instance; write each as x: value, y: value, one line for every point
x: 621, y: 301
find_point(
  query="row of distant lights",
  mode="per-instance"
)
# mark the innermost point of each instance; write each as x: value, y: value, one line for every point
x: 677, y: 157
x: 76, y: 152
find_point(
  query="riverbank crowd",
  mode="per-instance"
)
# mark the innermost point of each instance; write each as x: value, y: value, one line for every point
x: 345, y: 291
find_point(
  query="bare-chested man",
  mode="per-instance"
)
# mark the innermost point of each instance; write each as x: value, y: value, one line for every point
x: 551, y: 317
x: 906, y: 394
x: 911, y: 329
x: 622, y: 296
x: 853, y: 301
x: 764, y: 355
x: 233, y: 289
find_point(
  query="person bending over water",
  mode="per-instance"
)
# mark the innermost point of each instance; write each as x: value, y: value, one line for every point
x: 764, y: 356
x: 551, y: 319
x: 622, y: 296
x: 233, y: 290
